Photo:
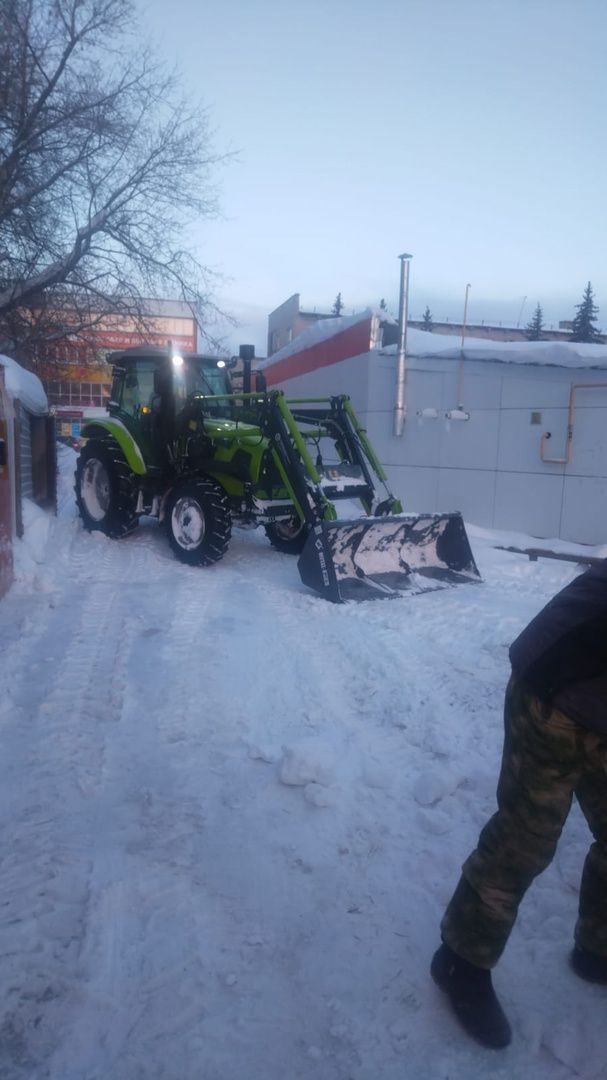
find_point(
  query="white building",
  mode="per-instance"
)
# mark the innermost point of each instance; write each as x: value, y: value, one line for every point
x: 512, y: 434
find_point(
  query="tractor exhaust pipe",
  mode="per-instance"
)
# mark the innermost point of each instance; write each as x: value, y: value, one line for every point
x: 247, y: 354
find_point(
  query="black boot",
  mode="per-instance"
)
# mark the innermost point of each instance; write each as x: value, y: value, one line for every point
x: 472, y: 998
x: 588, y: 965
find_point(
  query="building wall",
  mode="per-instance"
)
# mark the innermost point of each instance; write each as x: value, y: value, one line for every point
x: 287, y: 322
x: 488, y: 467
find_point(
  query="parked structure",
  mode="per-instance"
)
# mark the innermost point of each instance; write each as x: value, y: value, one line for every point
x: 512, y: 434
x: 29, y: 453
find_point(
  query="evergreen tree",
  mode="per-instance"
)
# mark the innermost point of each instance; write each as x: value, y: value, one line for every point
x: 428, y: 324
x: 533, y: 329
x: 583, y: 328
x: 382, y: 305
x: 338, y: 305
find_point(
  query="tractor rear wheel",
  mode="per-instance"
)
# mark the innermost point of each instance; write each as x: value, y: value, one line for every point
x: 106, y: 490
x: 199, y: 522
x: 289, y: 536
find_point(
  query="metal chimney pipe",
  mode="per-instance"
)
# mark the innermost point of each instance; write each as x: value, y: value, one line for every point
x: 401, y: 361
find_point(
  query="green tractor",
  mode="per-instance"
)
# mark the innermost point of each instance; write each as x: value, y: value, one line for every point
x: 179, y: 444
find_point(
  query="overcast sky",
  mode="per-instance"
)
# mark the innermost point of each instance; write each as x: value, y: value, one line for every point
x: 470, y: 133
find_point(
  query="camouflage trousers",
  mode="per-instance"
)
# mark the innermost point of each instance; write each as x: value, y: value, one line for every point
x: 547, y: 759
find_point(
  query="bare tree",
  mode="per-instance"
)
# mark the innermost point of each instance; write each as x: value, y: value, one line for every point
x: 103, y: 168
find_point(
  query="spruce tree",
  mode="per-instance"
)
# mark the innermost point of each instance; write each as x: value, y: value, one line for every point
x: 338, y: 305
x: 428, y: 324
x: 582, y: 328
x: 533, y: 329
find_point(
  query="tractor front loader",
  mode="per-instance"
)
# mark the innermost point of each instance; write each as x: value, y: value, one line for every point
x: 180, y: 445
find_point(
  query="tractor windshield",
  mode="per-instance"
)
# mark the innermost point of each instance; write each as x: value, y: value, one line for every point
x: 196, y: 379
x: 201, y: 378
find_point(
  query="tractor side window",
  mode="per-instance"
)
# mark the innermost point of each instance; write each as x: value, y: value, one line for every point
x: 137, y: 391
x: 116, y: 391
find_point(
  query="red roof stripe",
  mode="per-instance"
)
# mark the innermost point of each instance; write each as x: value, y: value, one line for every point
x: 351, y: 342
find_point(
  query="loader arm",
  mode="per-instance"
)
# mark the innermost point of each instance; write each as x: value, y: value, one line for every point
x: 294, y: 462
x: 339, y: 423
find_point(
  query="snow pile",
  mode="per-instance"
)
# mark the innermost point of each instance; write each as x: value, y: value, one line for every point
x: 30, y: 552
x: 426, y: 345
x: 35, y: 555
x: 24, y: 386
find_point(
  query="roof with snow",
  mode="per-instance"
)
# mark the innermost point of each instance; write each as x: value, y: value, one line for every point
x: 426, y: 345
x: 24, y: 386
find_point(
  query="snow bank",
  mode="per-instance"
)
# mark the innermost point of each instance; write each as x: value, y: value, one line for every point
x: 426, y: 345
x: 30, y: 552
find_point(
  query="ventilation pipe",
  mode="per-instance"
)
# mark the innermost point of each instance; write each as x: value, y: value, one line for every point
x: 401, y: 368
x: 459, y: 397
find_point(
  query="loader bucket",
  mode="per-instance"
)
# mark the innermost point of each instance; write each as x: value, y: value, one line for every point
x: 375, y: 557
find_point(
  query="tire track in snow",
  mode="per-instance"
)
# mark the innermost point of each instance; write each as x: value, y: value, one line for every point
x: 144, y: 944
x: 51, y: 825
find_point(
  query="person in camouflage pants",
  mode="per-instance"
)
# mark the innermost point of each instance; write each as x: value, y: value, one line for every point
x: 555, y: 747
x: 547, y: 758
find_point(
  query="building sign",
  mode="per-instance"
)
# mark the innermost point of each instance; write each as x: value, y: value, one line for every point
x: 117, y: 339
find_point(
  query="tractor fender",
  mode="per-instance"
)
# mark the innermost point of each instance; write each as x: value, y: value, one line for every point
x: 123, y: 437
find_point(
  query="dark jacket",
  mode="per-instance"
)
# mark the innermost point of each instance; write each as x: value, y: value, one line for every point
x: 562, y: 654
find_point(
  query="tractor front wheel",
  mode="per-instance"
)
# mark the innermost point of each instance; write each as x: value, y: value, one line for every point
x: 106, y: 492
x: 199, y: 522
x: 289, y: 536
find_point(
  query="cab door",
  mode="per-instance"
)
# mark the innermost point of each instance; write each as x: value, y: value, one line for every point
x: 133, y: 396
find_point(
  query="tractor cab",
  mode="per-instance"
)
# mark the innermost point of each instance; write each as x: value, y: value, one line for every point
x: 156, y: 394
x: 141, y: 375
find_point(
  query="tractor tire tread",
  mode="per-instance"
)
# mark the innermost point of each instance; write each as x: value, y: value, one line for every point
x: 121, y: 519
x: 218, y: 526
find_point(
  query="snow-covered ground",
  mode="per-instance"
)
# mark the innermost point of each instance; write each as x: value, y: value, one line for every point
x: 232, y: 814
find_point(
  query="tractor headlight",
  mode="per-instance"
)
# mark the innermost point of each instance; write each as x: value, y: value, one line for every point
x: 177, y: 360
x: 221, y: 363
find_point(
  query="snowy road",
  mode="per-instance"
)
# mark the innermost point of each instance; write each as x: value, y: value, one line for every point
x: 231, y: 815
